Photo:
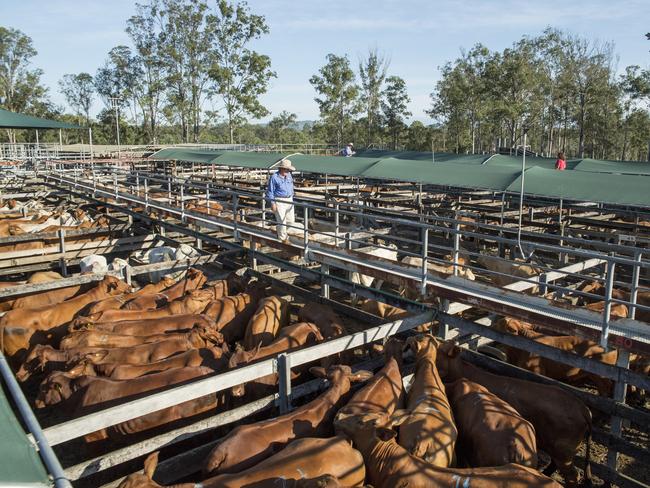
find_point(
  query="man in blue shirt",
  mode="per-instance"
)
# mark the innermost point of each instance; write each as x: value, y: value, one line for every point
x: 348, y: 151
x: 280, y: 194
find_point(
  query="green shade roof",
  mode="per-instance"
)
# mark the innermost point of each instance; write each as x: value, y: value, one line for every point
x: 335, y: 165
x: 626, y: 183
x: 191, y: 155
x: 253, y: 160
x: 622, y: 167
x: 20, y: 464
x: 444, y: 174
x: 582, y: 185
x: 12, y: 120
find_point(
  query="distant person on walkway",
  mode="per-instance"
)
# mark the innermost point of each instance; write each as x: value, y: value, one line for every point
x: 348, y: 151
x: 280, y: 194
x: 560, y: 164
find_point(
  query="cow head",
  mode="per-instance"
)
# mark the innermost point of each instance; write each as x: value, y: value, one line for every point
x: 510, y: 326
x: 145, y: 479
x: 35, y: 361
x: 448, y: 361
x: 363, y: 428
x: 196, y: 301
x: 393, y: 348
x: 207, y: 336
x: 114, y: 286
x: 58, y: 386
x: 423, y: 345
x: 238, y: 358
x: 236, y: 283
x: 341, y: 374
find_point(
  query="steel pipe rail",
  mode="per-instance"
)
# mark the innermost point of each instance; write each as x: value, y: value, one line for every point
x: 457, y: 289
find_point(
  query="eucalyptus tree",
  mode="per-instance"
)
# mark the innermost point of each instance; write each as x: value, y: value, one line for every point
x: 144, y: 29
x: 79, y: 92
x: 20, y: 84
x: 239, y: 75
x: 394, y: 106
x: 338, y: 96
x: 372, y: 72
x: 185, y: 42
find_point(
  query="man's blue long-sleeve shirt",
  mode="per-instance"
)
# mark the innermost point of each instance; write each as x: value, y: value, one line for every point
x: 279, y: 186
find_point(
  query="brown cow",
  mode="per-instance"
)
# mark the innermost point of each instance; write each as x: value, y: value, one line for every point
x: 272, y: 314
x: 40, y: 298
x: 302, y: 459
x: 215, y: 358
x: 553, y: 369
x: 94, y: 390
x: 192, y: 303
x: 492, y: 433
x: 643, y: 298
x: 389, y: 465
x: 19, y: 326
x: 145, y: 480
x: 193, y: 280
x: 119, y: 301
x: 429, y: 431
x: 247, y: 445
x: 42, y: 356
x: 148, y: 301
x: 324, y: 317
x: 292, y: 337
x: 560, y: 419
x: 383, y: 310
x: 100, y: 338
x: 49, y: 316
x: 172, y: 323
x: 232, y: 313
x: 385, y: 391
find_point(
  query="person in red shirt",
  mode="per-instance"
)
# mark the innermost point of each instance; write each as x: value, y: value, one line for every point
x: 560, y: 164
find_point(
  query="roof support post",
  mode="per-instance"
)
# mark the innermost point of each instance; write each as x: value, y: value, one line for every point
x: 90, y: 141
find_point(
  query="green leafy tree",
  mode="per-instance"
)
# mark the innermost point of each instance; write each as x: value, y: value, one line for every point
x: 395, y: 108
x: 187, y: 32
x: 239, y: 74
x: 20, y: 84
x: 372, y: 72
x: 145, y: 33
x: 279, y: 126
x: 79, y: 92
x: 338, y: 96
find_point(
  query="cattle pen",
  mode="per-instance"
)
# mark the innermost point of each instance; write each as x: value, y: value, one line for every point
x: 455, y: 254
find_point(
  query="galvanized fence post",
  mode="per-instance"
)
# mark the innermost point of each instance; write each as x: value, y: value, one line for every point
x: 623, y: 361
x: 609, y: 286
x: 284, y: 381
x: 62, y: 263
x: 425, y: 262
x: 456, y: 247
x: 182, y: 202
x: 235, y: 205
x: 336, y: 225
x: 146, y: 194
x: 325, y: 288
x: 305, y: 231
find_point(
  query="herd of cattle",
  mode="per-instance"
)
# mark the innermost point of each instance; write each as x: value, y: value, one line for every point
x: 82, y: 348
x: 86, y: 347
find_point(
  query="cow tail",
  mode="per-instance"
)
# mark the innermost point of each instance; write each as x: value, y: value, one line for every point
x: 587, y: 478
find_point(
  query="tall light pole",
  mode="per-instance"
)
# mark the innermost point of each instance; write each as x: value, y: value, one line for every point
x: 116, y: 105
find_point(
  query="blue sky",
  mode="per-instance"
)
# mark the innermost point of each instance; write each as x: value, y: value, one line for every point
x: 417, y: 35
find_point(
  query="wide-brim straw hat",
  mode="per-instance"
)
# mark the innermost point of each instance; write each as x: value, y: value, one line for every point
x: 286, y: 164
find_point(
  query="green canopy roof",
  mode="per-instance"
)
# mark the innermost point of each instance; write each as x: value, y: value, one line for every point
x: 191, y: 155
x: 582, y: 185
x: 20, y: 464
x: 615, y: 182
x: 12, y: 120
